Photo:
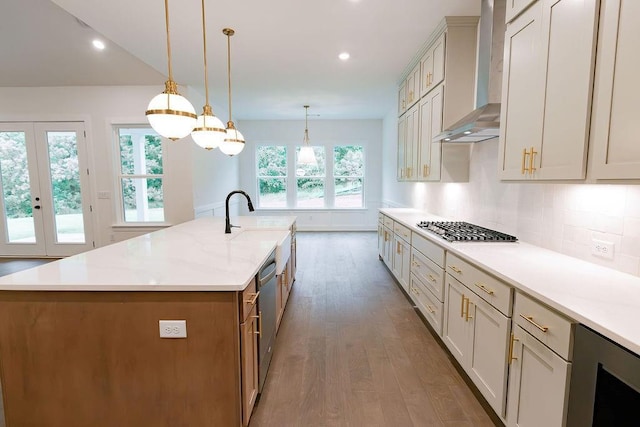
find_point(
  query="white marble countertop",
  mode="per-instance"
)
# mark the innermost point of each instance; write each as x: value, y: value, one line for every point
x: 606, y: 300
x: 193, y: 256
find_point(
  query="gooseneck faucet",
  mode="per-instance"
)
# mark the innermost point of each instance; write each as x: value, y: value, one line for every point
x: 227, y: 227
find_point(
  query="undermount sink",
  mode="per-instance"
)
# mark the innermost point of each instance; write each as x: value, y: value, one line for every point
x: 281, y: 237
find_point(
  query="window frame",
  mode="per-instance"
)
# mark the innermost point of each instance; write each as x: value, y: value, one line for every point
x: 119, y: 176
x: 325, y: 201
x: 362, y: 177
x: 259, y: 177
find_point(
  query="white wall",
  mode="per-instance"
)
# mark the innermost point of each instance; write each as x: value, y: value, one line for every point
x: 561, y: 217
x: 194, y: 179
x: 367, y: 133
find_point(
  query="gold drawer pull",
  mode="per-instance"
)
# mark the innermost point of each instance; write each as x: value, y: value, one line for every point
x: 431, y: 278
x: 398, y: 247
x: 462, y: 306
x: 484, y: 288
x: 259, y: 317
x: 415, y: 291
x: 253, y: 299
x: 531, y: 160
x: 431, y: 309
x: 511, y: 356
x: 530, y: 320
x: 414, y: 264
x: 525, y: 153
x: 454, y: 268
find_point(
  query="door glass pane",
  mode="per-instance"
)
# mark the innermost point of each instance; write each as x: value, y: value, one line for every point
x: 143, y: 199
x: 16, y: 188
x: 65, y: 187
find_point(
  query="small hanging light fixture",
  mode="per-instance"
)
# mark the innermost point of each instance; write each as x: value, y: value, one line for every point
x: 209, y: 131
x: 306, y: 156
x: 234, y: 141
x: 170, y: 114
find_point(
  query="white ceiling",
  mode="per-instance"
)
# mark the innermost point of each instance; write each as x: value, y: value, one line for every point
x: 284, y: 53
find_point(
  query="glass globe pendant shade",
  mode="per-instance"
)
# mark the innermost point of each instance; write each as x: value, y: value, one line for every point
x: 209, y: 132
x: 306, y: 156
x: 170, y: 114
x: 234, y: 141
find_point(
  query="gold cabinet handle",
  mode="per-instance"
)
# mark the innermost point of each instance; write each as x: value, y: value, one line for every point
x: 414, y: 264
x: 415, y: 291
x: 424, y: 170
x: 253, y: 299
x: 484, y: 288
x: 467, y: 317
x: 431, y: 278
x: 431, y: 309
x: 462, y: 306
x: 525, y: 153
x: 533, y: 322
x: 511, y: 342
x: 402, y: 173
x: 409, y: 172
x: 454, y: 268
x: 259, y: 317
x: 532, y: 156
x: 397, y: 247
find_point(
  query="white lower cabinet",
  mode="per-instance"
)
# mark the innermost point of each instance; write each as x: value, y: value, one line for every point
x: 401, y: 259
x: 477, y: 335
x: 538, y: 383
x: 427, y: 303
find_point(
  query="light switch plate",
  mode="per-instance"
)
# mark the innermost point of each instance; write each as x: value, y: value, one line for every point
x: 173, y: 328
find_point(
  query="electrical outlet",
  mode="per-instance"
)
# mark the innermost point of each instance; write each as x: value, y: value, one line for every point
x: 602, y: 249
x: 173, y: 328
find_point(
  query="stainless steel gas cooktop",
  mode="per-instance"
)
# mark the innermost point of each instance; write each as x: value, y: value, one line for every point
x: 459, y: 231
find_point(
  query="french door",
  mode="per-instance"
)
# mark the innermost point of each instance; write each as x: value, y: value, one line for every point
x: 45, y: 204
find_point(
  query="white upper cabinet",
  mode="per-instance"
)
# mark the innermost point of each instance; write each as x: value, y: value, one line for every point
x: 413, y: 86
x: 430, y: 126
x: 402, y: 98
x: 402, y: 143
x: 547, y: 90
x: 432, y: 66
x: 616, y: 149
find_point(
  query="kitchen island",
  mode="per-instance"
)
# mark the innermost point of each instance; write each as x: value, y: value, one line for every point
x: 80, y: 341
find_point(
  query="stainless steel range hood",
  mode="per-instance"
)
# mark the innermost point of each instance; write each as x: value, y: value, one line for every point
x: 484, y: 122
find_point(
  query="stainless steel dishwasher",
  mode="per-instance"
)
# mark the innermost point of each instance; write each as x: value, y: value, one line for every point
x: 266, y: 280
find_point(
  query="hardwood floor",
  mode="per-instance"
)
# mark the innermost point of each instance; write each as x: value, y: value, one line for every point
x: 13, y: 265
x: 352, y: 351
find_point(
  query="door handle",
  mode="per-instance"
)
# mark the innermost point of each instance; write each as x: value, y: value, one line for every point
x: 36, y: 207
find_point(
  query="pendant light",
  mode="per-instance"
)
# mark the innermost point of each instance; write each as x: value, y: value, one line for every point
x: 234, y: 141
x: 209, y: 131
x: 170, y: 114
x: 306, y: 156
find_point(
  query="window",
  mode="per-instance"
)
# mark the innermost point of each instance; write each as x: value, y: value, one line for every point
x: 348, y: 174
x: 310, y: 181
x: 141, y: 174
x: 334, y: 181
x: 272, y: 176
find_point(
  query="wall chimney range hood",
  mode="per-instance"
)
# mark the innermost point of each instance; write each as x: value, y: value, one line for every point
x: 484, y: 122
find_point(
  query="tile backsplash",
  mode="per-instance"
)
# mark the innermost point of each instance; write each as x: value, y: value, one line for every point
x: 562, y: 217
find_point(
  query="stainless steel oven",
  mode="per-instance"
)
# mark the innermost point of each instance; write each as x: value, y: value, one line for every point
x: 605, y: 383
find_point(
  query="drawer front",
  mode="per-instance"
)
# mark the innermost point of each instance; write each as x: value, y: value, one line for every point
x: 551, y: 328
x: 402, y: 231
x: 432, y: 251
x: 427, y: 303
x: 249, y: 300
x: 490, y: 289
x: 387, y: 221
x: 431, y: 275
x: 380, y: 218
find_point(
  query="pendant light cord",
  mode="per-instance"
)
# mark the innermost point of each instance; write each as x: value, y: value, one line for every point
x: 166, y: 17
x: 229, y: 33
x: 204, y: 44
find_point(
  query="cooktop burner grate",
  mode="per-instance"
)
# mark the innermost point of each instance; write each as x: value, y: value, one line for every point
x: 459, y: 231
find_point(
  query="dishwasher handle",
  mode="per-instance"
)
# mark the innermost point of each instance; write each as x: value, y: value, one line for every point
x: 266, y: 273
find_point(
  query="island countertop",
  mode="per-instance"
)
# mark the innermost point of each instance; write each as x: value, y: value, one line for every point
x: 192, y: 256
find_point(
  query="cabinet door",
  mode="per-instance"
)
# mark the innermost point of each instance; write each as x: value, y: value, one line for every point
x: 430, y: 126
x: 568, y: 55
x: 381, y: 237
x: 438, y: 50
x: 426, y: 72
x: 411, y: 142
x: 489, y: 346
x: 388, y: 242
x: 401, y: 261
x: 402, y: 100
x: 616, y: 111
x: 402, y: 143
x: 455, y: 331
x: 249, y: 372
x: 538, y: 384
x: 522, y: 89
x: 514, y: 7
x: 413, y: 86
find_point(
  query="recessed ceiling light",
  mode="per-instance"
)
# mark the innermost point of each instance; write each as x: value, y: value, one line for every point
x: 344, y: 56
x: 467, y: 132
x: 98, y: 44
